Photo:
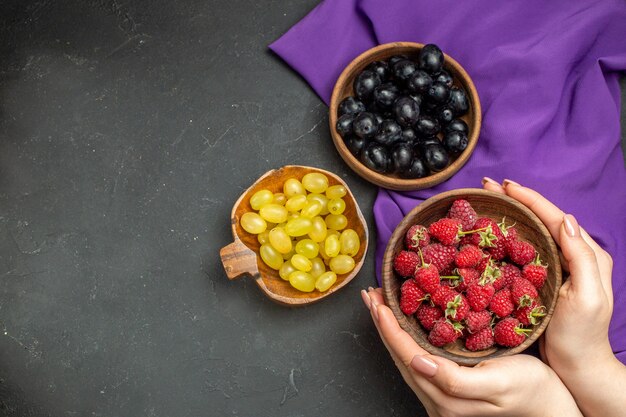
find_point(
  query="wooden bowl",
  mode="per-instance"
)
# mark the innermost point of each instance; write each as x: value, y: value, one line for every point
x: 486, y: 204
x: 343, y: 88
x: 241, y: 257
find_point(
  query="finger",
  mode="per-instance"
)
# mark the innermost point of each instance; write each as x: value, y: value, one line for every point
x: 542, y: 349
x: 401, y: 348
x: 373, y: 299
x: 399, y: 341
x: 491, y: 185
x: 479, y: 382
x: 581, y: 258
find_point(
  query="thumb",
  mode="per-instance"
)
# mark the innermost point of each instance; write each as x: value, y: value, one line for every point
x: 457, y: 381
x: 581, y: 258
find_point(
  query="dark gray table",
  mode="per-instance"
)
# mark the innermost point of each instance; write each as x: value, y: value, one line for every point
x: 127, y: 131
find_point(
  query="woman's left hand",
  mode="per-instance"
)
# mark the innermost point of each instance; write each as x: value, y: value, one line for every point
x: 518, y: 385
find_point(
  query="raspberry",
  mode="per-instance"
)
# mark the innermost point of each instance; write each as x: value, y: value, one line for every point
x: 479, y: 296
x: 530, y: 315
x: 444, y: 332
x: 501, y: 304
x: 523, y: 292
x: 405, y: 263
x: 510, y: 233
x: 463, y: 211
x: 508, y: 274
x: 428, y: 314
x: 416, y: 237
x: 457, y: 308
x: 483, y: 339
x: 446, y: 230
x: 509, y: 332
x: 439, y: 255
x: 411, y: 296
x: 520, y: 252
x: 468, y: 256
x: 477, y: 320
x: 488, y: 233
x: 535, y: 272
x: 442, y: 295
x: 427, y: 278
x: 498, y: 251
x: 467, y: 276
x: 483, y: 264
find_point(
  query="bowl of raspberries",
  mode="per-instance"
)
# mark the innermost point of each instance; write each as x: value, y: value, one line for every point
x: 472, y: 275
x: 405, y: 116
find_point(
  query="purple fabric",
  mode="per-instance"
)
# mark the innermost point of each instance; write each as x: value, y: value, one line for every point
x: 547, y: 77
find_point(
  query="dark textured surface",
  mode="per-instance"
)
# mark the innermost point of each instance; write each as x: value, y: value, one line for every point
x: 127, y: 130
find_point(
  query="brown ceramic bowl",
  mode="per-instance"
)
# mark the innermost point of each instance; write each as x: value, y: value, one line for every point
x: 241, y: 257
x: 486, y: 204
x: 343, y: 88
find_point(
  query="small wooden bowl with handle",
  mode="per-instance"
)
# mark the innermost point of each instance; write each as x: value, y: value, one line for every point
x: 241, y: 258
x: 344, y: 88
x: 486, y: 204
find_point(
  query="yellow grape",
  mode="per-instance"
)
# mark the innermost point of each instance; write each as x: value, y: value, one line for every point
x: 317, y: 268
x: 315, y: 182
x: 301, y: 262
x: 293, y: 187
x: 332, y: 246
x: 296, y: 202
x: 307, y: 248
x: 288, y: 255
x: 322, y: 199
x: 335, y: 191
x: 350, y: 242
x: 325, y: 281
x: 336, y: 221
x: 271, y: 257
x: 318, y: 231
x: 263, y: 238
x: 261, y: 198
x: 342, y: 264
x: 280, y: 240
x: 311, y: 209
x: 285, y: 270
x: 299, y: 226
x: 323, y: 254
x: 336, y: 206
x: 273, y: 213
x: 253, y: 223
x: 280, y: 198
x: 302, y: 281
x: 332, y: 232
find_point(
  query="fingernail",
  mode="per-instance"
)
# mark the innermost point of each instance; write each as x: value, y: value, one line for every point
x: 486, y: 180
x: 424, y: 366
x: 370, y: 289
x: 374, y: 309
x: 366, y: 299
x: 509, y: 182
x: 571, y: 226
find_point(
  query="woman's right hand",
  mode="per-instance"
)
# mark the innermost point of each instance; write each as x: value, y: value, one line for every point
x: 576, y: 343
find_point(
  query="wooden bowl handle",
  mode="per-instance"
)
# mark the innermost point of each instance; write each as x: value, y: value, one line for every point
x: 238, y: 260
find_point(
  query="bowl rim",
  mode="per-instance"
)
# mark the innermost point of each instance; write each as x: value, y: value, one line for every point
x: 387, y: 274
x: 258, y: 276
x: 396, y: 183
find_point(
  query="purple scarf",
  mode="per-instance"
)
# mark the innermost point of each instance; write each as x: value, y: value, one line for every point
x: 547, y: 77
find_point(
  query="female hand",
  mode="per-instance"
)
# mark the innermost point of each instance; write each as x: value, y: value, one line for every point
x: 517, y: 385
x: 576, y: 343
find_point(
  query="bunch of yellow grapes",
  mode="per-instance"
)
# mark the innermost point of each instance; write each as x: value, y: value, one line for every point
x: 303, y: 230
